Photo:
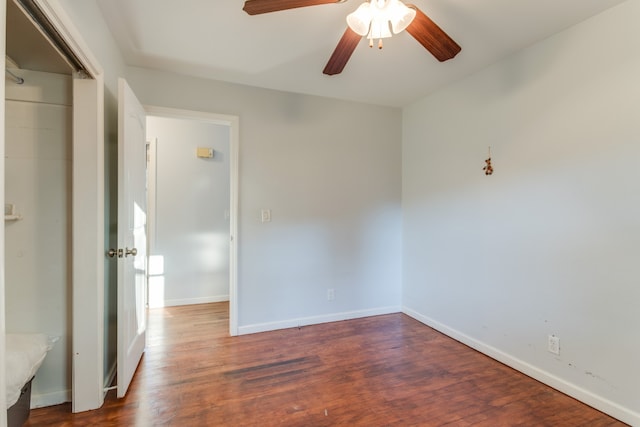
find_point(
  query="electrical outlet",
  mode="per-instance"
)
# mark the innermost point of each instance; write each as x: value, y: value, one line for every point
x: 331, y: 295
x: 553, y: 344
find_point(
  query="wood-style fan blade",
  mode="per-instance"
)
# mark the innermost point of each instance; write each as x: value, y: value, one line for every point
x: 256, y: 7
x: 342, y: 53
x: 429, y: 35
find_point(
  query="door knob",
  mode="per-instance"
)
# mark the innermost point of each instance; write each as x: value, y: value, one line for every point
x: 132, y: 252
x: 113, y: 252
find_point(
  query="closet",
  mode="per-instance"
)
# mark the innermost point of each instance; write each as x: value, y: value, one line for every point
x: 38, y: 168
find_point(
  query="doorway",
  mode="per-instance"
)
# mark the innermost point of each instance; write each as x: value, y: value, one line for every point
x: 87, y: 189
x: 192, y: 208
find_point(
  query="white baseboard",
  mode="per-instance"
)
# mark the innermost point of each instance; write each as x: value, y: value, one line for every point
x: 50, y: 399
x: 190, y: 301
x: 608, y: 407
x: 314, y: 320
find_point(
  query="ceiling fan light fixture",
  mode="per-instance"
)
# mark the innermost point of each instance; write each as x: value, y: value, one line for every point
x: 377, y: 18
x: 379, y: 29
x: 360, y: 20
x: 400, y: 15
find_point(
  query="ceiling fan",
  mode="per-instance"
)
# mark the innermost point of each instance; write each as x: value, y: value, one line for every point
x: 373, y: 18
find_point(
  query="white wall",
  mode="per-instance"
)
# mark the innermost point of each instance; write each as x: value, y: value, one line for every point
x: 190, y: 236
x: 549, y: 243
x: 37, y: 248
x: 330, y: 173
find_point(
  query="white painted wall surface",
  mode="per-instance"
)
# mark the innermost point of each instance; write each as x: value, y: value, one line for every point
x: 549, y: 244
x: 37, y: 248
x: 329, y: 171
x: 190, y: 253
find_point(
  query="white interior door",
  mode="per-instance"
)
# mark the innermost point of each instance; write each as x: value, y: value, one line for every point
x: 132, y: 240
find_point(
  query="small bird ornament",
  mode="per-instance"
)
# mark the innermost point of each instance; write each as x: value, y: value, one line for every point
x: 488, y: 169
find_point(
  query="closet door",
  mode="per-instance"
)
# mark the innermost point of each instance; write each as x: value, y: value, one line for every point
x: 132, y: 220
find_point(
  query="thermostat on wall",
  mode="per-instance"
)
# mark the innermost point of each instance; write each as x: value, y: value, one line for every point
x: 205, y: 153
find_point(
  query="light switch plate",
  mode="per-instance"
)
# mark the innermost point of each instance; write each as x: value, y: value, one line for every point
x: 266, y: 215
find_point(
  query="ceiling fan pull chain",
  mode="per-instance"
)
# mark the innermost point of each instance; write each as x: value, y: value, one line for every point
x: 379, y: 43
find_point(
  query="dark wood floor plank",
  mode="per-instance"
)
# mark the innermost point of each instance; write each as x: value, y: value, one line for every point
x: 378, y: 371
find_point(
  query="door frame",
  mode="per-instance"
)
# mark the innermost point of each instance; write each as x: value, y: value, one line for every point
x: 88, y: 224
x: 3, y: 381
x: 234, y: 150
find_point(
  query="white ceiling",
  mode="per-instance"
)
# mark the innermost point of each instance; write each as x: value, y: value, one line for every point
x: 287, y: 50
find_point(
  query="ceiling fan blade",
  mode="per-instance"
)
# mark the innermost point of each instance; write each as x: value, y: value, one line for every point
x: 342, y: 53
x: 256, y: 7
x: 429, y: 35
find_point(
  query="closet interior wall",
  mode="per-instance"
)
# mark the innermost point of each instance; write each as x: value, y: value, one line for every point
x: 38, y: 245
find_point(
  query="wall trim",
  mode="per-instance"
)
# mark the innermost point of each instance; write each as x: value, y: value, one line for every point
x: 611, y: 408
x: 50, y: 399
x: 314, y: 320
x: 192, y: 301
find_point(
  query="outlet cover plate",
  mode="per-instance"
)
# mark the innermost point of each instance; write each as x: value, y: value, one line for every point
x: 553, y: 344
x: 331, y: 294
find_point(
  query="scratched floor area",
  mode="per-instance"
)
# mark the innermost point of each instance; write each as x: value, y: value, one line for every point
x: 379, y: 371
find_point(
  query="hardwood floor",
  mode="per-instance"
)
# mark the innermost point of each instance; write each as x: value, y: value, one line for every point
x: 379, y: 371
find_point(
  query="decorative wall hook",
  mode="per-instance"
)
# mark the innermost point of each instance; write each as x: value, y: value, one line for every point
x: 488, y: 169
